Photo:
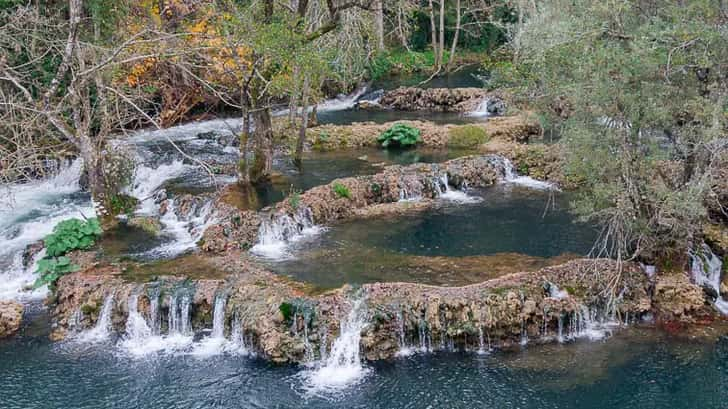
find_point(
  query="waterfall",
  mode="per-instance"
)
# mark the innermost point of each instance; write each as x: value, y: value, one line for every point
x: 343, y: 365
x: 481, y: 342
x: 404, y: 349
x: 441, y: 187
x: 706, y: 270
x: 238, y: 344
x: 136, y: 325
x: 154, y: 311
x: 482, y: 110
x: 28, y: 212
x: 511, y: 176
x: 277, y: 231
x: 218, y: 318
x: 101, y: 331
x: 216, y: 343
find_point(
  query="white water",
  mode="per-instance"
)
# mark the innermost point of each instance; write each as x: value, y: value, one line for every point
x: 511, y: 176
x: 183, y: 232
x: 443, y: 191
x: 216, y: 343
x: 148, y: 180
x: 482, y: 110
x: 276, y: 233
x: 101, y: 331
x: 28, y: 212
x: 140, y: 340
x: 706, y: 270
x: 187, y: 131
x: 343, y: 366
x: 342, y: 102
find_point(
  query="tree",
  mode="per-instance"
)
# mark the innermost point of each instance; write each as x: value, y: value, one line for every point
x: 645, y: 117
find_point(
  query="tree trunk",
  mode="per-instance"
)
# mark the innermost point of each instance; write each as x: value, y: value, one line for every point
x: 304, y: 121
x: 96, y: 180
x: 433, y: 28
x: 244, y: 164
x: 441, y: 47
x: 379, y: 23
x: 263, y: 138
x: 400, y: 28
x: 455, y: 37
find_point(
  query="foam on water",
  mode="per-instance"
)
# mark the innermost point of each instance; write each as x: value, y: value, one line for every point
x: 102, y: 330
x: 482, y: 110
x: 511, y: 176
x: 28, y: 213
x: 279, y: 231
x: 187, y: 131
x: 343, y: 366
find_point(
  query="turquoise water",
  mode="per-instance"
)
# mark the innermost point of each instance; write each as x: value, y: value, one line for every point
x: 633, y: 369
x: 452, y: 243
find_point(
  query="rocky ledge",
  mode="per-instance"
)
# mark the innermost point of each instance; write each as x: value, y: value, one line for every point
x: 442, y: 99
x: 350, y: 197
x: 281, y: 321
x: 519, y: 128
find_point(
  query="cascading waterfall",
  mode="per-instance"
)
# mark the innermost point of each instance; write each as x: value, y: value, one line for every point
x: 404, y: 349
x: 216, y: 343
x: 28, y: 212
x: 276, y: 232
x: 511, y: 176
x: 482, y: 110
x: 218, y: 317
x: 101, y: 331
x: 441, y: 187
x: 706, y: 270
x: 343, y: 365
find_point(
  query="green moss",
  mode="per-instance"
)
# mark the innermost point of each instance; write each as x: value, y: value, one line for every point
x: 89, y: 309
x: 467, y: 136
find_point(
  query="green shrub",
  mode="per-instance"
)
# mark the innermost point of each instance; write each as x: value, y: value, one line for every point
x: 51, y: 269
x: 467, y: 136
x: 72, y: 234
x: 341, y: 190
x: 294, y: 198
x: 123, y: 204
x: 399, y: 135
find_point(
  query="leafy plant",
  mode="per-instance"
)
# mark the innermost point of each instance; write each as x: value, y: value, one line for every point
x: 72, y: 234
x: 51, y: 269
x: 399, y: 135
x: 341, y: 190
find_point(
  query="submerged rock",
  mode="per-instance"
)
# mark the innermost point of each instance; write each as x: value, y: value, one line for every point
x: 11, y: 316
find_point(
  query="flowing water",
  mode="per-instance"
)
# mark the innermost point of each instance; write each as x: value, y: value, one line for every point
x: 510, y: 228
x: 634, y: 369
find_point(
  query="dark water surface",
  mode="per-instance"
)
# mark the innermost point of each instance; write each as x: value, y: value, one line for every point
x: 512, y: 228
x: 633, y: 369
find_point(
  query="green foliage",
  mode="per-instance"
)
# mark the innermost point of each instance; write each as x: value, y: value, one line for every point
x: 122, y: 204
x: 645, y: 97
x: 72, y: 234
x: 403, y: 62
x: 341, y: 190
x: 399, y: 135
x: 294, y: 198
x: 51, y: 269
x: 467, y: 136
x: 376, y: 188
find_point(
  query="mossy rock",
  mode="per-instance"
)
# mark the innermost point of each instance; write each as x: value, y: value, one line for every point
x: 467, y: 136
x: 150, y: 225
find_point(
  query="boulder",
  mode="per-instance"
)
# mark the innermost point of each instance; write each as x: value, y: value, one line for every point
x: 11, y: 316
